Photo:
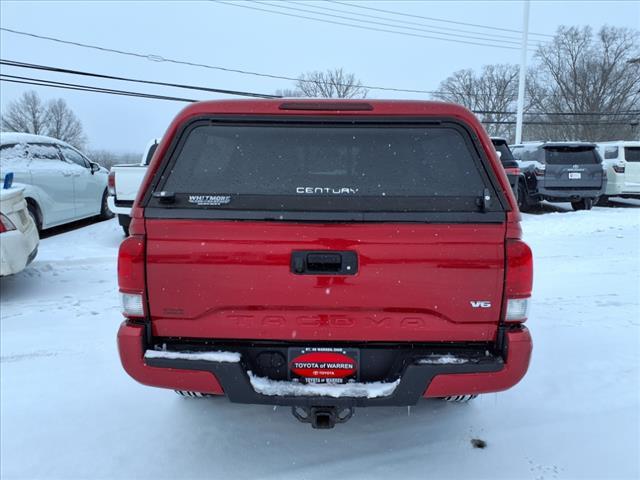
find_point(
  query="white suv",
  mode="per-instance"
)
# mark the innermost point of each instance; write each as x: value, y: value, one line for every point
x: 61, y: 184
x: 622, y: 162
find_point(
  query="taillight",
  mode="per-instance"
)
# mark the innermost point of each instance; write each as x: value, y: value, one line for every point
x: 131, y: 276
x: 518, y: 281
x: 512, y: 171
x: 6, y: 225
x: 111, y: 183
x: 618, y: 168
x: 539, y: 170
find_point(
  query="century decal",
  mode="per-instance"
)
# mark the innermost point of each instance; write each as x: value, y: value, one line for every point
x: 327, y: 190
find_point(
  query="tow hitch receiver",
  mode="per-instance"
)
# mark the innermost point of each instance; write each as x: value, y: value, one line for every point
x: 322, y: 417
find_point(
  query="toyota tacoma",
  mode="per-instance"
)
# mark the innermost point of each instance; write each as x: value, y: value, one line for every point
x: 325, y: 255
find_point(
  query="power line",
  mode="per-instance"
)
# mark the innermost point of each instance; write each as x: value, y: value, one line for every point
x: 128, y: 93
x: 13, y: 63
x: 557, y: 123
x: 510, y: 40
x: 617, y: 114
x: 408, y: 22
x: 158, y: 58
x: 439, y: 19
x: 87, y: 88
x: 362, y: 27
x: 17, y: 64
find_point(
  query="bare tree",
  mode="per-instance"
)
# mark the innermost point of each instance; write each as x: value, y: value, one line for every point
x: 579, y: 73
x: 63, y: 124
x: 494, y: 91
x: 108, y: 159
x: 29, y: 114
x: 26, y: 114
x: 287, y: 92
x: 330, y: 84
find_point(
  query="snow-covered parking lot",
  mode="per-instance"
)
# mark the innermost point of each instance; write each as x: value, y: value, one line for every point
x: 68, y: 410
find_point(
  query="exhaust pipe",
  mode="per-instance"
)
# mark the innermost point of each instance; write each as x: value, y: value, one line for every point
x: 322, y: 417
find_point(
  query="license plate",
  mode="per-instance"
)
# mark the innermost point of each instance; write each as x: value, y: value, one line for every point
x: 575, y: 176
x: 323, y: 364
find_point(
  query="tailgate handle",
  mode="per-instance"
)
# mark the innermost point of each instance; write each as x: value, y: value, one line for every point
x: 324, y: 263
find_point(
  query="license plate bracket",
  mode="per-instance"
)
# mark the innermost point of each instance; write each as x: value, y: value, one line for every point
x: 323, y: 365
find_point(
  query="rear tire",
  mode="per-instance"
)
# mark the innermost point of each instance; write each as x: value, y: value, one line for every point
x: 35, y: 213
x: 525, y: 203
x: 603, y: 201
x: 583, y: 204
x: 105, y: 213
x: 459, y: 398
x: 124, y: 221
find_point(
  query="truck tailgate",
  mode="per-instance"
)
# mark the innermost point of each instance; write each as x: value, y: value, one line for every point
x: 572, y: 167
x: 128, y: 180
x: 414, y: 282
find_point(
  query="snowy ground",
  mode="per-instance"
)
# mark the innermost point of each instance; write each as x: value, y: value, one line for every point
x: 68, y: 410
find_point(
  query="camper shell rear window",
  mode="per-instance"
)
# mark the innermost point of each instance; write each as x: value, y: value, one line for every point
x: 325, y: 167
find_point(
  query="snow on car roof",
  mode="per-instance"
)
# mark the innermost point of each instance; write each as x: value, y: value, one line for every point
x: 569, y: 144
x: 17, y: 137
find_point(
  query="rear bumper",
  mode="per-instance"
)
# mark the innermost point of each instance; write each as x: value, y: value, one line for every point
x: 118, y: 210
x: 569, y: 194
x: 481, y: 374
x: 17, y: 250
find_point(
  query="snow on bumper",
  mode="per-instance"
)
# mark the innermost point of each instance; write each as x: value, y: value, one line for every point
x: 17, y: 250
x: 130, y: 347
x: 266, y: 386
x: 222, y: 373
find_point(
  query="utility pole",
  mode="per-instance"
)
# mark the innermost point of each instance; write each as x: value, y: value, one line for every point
x: 523, y: 71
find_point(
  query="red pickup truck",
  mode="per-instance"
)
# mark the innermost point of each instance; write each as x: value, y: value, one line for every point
x: 325, y: 255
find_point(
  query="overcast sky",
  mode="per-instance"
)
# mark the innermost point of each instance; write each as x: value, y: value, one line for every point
x: 241, y: 38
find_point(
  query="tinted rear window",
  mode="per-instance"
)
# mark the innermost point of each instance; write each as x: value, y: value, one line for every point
x: 632, y: 154
x: 506, y: 157
x: 571, y: 155
x: 338, y: 166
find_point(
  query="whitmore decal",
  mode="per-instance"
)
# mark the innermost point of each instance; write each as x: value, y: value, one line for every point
x: 209, y: 200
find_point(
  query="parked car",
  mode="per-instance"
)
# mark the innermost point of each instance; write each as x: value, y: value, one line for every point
x: 559, y: 172
x: 61, y: 184
x: 325, y: 254
x: 508, y: 162
x: 622, y: 162
x: 124, y: 182
x: 18, y: 233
